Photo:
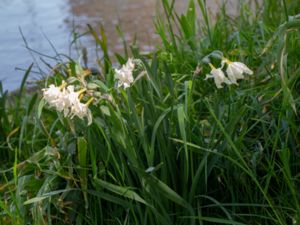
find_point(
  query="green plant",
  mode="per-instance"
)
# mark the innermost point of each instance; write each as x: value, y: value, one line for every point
x: 171, y: 148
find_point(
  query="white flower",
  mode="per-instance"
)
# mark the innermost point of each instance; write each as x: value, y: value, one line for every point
x: 56, y: 97
x: 67, y: 100
x: 51, y: 94
x: 74, y: 107
x: 81, y: 110
x: 235, y: 70
x: 124, y: 75
x: 71, y: 96
x: 218, y: 76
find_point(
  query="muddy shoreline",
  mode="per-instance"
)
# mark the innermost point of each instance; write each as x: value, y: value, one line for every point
x: 54, y: 23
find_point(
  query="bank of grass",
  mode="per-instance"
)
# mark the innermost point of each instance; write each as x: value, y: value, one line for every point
x: 171, y: 149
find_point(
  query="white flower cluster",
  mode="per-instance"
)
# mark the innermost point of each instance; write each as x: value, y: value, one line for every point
x: 66, y: 100
x: 235, y: 71
x: 124, y: 75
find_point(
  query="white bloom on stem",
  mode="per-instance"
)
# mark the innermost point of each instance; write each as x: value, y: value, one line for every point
x: 71, y: 97
x: 60, y: 103
x: 81, y: 110
x: 218, y: 75
x: 51, y: 94
x: 67, y: 100
x: 56, y: 96
x: 75, y: 107
x: 124, y: 75
x: 235, y: 70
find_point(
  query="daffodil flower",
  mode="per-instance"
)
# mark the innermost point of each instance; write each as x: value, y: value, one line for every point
x: 51, y: 94
x: 218, y: 75
x: 235, y: 70
x: 55, y: 95
x: 75, y: 107
x: 66, y: 100
x: 124, y: 75
x: 81, y: 110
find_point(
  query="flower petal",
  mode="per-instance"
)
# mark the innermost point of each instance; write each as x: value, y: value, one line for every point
x: 243, y: 67
x: 124, y: 75
x: 208, y: 76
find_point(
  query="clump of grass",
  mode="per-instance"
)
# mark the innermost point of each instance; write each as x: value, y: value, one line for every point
x: 171, y: 148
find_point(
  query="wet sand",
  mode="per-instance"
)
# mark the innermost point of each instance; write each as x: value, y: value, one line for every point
x: 54, y: 21
x: 136, y: 18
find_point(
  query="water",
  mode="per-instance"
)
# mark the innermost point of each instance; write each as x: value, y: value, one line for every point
x: 55, y: 20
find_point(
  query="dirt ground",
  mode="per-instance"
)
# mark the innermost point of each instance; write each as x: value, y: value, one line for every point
x: 135, y: 17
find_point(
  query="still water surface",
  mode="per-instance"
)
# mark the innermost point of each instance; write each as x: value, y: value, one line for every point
x: 36, y: 19
x: 47, y: 28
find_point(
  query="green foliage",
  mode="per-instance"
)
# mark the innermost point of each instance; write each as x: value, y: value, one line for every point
x: 172, y: 148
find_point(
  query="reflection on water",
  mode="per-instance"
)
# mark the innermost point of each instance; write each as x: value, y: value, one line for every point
x: 56, y: 19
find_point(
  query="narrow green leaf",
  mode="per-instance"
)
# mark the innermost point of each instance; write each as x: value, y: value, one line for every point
x: 40, y: 108
x: 123, y: 191
x: 46, y: 195
x: 182, y: 127
x: 82, y: 159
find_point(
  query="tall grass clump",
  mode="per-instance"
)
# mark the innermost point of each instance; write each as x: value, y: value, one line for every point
x: 155, y: 141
